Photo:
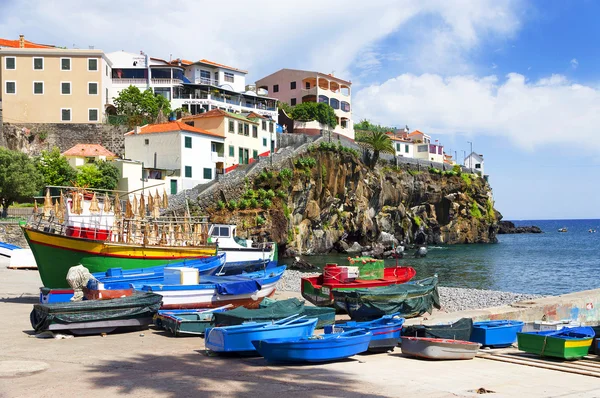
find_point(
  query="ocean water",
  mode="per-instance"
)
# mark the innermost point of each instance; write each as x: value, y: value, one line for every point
x: 550, y: 263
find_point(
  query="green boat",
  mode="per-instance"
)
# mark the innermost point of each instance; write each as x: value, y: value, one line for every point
x: 566, y: 343
x: 186, y: 322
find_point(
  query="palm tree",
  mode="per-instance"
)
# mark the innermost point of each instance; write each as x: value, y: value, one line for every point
x: 377, y: 142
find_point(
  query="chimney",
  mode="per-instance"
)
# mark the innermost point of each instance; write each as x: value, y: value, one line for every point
x: 137, y: 130
x: 21, y: 41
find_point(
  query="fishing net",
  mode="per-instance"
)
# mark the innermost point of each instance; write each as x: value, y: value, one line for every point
x: 139, y: 305
x: 272, y: 310
x: 409, y: 299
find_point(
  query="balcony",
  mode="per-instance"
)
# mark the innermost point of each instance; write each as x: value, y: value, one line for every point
x: 216, y: 157
x: 206, y: 80
x: 130, y: 82
x: 166, y: 82
x: 309, y: 91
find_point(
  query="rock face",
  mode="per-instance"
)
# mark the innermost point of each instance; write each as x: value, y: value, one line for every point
x: 334, y: 202
x: 508, y: 227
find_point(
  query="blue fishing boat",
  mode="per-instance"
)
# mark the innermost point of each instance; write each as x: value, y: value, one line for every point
x: 496, y: 334
x: 151, y: 275
x: 386, y: 331
x: 239, y: 338
x: 322, y: 348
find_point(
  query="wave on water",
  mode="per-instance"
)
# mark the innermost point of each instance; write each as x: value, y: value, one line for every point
x: 436, y: 247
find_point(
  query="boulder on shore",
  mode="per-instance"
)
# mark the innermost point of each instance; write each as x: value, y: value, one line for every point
x: 508, y: 227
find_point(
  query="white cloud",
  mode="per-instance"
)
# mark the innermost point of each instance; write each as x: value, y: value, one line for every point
x: 262, y: 36
x: 574, y: 63
x: 531, y: 114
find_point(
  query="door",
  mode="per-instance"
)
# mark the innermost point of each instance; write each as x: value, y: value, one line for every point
x: 241, y: 156
x: 173, y: 187
x: 246, y: 156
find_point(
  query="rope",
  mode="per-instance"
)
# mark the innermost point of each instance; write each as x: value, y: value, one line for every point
x: 544, y: 346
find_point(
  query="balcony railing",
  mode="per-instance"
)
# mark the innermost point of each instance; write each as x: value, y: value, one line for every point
x: 217, y: 157
x: 166, y: 82
x: 205, y: 80
x: 129, y: 82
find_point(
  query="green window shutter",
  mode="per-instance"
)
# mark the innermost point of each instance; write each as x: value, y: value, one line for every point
x: 188, y: 142
x: 264, y: 141
x: 188, y: 171
x: 255, y: 154
x: 207, y: 174
x: 231, y: 150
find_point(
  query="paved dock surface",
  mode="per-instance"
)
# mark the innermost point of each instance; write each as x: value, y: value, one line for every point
x: 151, y: 363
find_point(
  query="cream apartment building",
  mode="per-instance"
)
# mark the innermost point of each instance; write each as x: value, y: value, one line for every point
x: 53, y: 85
x: 295, y: 86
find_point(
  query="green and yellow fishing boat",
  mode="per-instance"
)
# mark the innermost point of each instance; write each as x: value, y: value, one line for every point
x: 566, y: 343
x: 82, y: 229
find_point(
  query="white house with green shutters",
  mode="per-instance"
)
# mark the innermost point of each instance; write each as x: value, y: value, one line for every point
x: 187, y: 155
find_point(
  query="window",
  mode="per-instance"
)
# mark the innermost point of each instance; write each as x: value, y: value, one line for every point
x: 11, y: 87
x: 240, y: 128
x: 335, y: 104
x: 477, y: 165
x: 231, y: 126
x: 276, y: 88
x: 204, y: 75
x: 264, y: 125
x: 38, y: 63
x: 188, y: 142
x: 255, y: 154
x: 231, y: 151
x: 246, y: 129
x: 92, y: 64
x: 65, y: 64
x: 405, y: 148
x: 38, y: 88
x: 65, y: 114
x: 92, y: 115
x: 65, y: 88
x: 293, y: 101
x: 146, y: 141
x: 93, y: 88
x: 254, y: 131
x: 228, y: 77
x: 345, y: 106
x: 207, y: 174
x: 423, y: 148
x: 292, y: 85
x: 270, y: 127
x: 264, y: 142
x: 10, y: 63
x: 188, y: 171
x: 398, y: 147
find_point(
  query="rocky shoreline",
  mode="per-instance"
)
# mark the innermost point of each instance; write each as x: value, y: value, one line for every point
x: 508, y: 227
x: 452, y: 298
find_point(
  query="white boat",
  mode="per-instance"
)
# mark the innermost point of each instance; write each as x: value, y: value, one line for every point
x: 430, y: 348
x: 240, y: 250
x: 17, y: 256
x: 247, y: 290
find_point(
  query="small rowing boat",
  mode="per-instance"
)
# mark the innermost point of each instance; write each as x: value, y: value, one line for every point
x: 386, y: 331
x: 431, y: 348
x: 566, y: 343
x: 496, y: 334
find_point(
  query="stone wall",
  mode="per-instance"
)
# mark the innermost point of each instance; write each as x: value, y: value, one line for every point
x: 33, y: 138
x: 11, y: 233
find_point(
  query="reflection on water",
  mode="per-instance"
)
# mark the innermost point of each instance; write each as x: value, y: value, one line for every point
x: 549, y: 263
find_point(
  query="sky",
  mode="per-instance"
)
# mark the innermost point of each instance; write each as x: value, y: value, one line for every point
x: 520, y: 79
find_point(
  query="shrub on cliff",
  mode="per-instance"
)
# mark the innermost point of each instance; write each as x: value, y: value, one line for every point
x: 309, y: 111
x: 375, y: 143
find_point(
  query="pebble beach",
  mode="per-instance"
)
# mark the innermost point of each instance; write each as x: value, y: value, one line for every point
x: 452, y: 298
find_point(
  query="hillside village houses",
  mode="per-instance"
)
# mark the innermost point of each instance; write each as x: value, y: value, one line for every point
x: 82, y: 154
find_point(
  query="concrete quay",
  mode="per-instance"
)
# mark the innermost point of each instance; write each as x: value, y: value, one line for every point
x: 151, y: 363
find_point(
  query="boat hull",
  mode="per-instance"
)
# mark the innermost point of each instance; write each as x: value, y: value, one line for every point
x: 385, y: 331
x: 552, y: 345
x: 55, y: 254
x: 320, y: 294
x: 429, y: 348
x: 239, y: 338
x: 184, y: 323
x: 329, y: 348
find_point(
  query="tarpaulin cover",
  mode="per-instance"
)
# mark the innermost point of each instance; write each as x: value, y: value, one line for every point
x: 229, y: 287
x: 139, y: 305
x: 274, y: 310
x: 409, y: 299
x: 459, y: 330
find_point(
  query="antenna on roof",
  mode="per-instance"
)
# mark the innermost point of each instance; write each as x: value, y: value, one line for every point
x: 91, y: 47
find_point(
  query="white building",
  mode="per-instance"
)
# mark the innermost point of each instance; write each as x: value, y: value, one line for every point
x: 187, y: 155
x: 475, y: 162
x: 82, y: 154
x: 136, y: 178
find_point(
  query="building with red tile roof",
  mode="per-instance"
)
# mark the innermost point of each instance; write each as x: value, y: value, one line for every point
x: 81, y: 154
x: 171, y: 127
x: 22, y: 43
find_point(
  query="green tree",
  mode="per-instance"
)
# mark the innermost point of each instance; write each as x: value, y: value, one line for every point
x: 55, y: 168
x: 19, y: 178
x: 89, y: 176
x: 110, y: 175
x: 365, y: 125
x: 309, y: 111
x: 136, y: 104
x: 375, y: 142
x: 285, y: 107
x: 129, y: 101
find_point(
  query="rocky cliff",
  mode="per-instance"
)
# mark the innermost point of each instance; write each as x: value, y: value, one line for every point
x: 329, y: 200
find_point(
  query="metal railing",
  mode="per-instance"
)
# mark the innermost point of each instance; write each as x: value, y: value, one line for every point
x: 206, y: 80
x: 116, y: 80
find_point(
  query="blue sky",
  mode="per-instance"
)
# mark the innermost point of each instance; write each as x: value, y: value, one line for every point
x: 519, y: 78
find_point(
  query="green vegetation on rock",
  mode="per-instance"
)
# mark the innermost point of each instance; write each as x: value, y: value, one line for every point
x: 475, y: 212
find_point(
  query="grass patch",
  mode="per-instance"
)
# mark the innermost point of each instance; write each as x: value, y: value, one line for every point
x: 417, y: 220
x: 475, y: 212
